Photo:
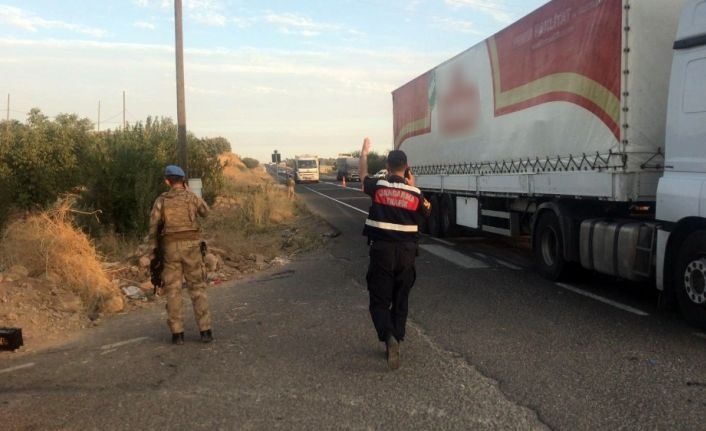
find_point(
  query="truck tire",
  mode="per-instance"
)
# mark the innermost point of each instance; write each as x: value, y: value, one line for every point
x: 690, y: 279
x: 548, y: 247
x: 433, y: 227
x: 446, y: 215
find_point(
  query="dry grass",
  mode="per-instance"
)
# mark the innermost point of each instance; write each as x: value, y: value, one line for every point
x: 252, y: 198
x: 116, y: 248
x: 255, y: 216
x: 48, y: 243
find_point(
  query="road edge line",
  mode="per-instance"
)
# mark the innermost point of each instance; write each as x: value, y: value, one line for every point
x: 336, y: 200
x: 599, y: 298
x: 17, y: 367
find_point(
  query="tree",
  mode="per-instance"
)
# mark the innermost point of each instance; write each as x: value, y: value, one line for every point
x: 251, y: 163
x: 117, y: 172
x: 216, y: 146
x: 375, y: 161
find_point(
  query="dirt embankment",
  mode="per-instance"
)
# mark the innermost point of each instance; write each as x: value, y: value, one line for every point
x: 55, y: 282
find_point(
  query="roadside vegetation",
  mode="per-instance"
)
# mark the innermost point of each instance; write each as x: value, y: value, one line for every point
x: 75, y: 210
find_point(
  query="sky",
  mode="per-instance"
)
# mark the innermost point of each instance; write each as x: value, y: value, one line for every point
x: 302, y: 77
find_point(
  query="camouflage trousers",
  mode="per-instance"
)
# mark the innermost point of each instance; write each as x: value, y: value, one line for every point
x: 182, y: 259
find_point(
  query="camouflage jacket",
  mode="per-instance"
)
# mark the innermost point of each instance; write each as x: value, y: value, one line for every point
x: 179, y: 209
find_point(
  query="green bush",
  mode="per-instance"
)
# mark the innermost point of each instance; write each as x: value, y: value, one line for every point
x: 42, y: 158
x: 119, y: 172
x: 128, y: 173
x: 376, y: 162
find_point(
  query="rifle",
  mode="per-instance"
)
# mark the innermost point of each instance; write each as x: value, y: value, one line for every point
x: 157, y: 263
x: 204, y: 249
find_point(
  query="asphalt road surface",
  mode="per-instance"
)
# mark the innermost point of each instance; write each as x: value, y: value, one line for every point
x: 491, y: 346
x: 593, y: 354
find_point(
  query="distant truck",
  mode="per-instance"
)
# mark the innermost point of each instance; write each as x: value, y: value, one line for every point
x: 583, y: 125
x: 347, y: 167
x: 306, y: 169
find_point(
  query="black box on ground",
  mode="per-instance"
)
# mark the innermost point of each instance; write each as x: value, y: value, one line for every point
x: 10, y: 338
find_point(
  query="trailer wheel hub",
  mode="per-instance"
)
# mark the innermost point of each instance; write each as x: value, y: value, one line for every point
x: 695, y: 281
x: 549, y: 246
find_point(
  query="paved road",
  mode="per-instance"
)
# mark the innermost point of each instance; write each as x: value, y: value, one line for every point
x: 294, y: 349
x: 595, y: 354
x: 491, y: 346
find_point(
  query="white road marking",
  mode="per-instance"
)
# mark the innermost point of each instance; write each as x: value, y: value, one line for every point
x: 457, y: 258
x: 350, y: 198
x: 325, y: 190
x: 442, y: 241
x: 17, y: 367
x: 700, y: 335
x: 454, y: 257
x: 336, y: 200
x: 122, y: 343
x: 508, y: 265
x: 610, y: 302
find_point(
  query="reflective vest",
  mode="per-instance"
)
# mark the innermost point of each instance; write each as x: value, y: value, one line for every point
x: 396, y: 210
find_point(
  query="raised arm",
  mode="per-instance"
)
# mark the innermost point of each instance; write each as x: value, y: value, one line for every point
x: 363, y: 162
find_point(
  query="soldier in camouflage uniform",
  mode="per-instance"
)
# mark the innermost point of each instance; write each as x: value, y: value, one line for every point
x: 179, y: 210
x: 290, y: 186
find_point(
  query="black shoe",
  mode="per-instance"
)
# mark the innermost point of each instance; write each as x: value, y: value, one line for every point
x: 178, y: 338
x: 206, y: 336
x: 393, y: 353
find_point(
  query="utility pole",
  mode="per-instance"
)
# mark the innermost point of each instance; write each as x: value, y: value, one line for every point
x: 124, y: 125
x: 181, y: 104
x: 99, y: 116
x: 7, y: 117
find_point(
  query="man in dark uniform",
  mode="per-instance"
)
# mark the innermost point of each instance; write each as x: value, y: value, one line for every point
x: 392, y: 229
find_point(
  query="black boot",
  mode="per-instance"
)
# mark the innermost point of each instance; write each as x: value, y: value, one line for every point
x: 206, y: 336
x: 178, y: 338
x: 393, y: 352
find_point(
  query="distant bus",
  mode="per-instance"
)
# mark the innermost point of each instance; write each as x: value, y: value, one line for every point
x: 306, y: 169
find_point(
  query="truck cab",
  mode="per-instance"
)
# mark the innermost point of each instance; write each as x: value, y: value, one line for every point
x: 306, y: 169
x: 681, y: 195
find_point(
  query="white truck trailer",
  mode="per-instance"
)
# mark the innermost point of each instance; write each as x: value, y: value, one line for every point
x: 306, y: 169
x: 583, y: 125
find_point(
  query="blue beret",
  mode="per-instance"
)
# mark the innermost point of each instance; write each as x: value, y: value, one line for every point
x: 174, y: 171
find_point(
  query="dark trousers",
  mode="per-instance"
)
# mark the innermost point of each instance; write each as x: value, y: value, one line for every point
x: 390, y: 277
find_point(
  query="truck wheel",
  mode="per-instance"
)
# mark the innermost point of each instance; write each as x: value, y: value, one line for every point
x: 690, y: 279
x: 433, y: 225
x: 446, y: 215
x: 548, y: 247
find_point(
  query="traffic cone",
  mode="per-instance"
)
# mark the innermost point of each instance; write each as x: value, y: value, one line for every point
x: 344, y: 181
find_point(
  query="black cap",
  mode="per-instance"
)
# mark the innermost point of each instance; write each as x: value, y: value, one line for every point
x: 397, y: 159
